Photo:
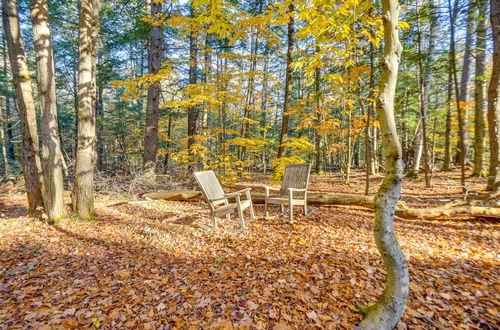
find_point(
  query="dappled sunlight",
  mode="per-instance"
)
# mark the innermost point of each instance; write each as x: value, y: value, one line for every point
x: 146, y: 260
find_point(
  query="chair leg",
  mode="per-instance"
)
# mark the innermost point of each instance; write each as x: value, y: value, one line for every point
x: 282, y: 208
x: 305, y: 209
x: 214, y: 225
x: 242, y: 220
x: 266, y: 213
x: 228, y: 217
x: 252, y: 213
x: 290, y: 206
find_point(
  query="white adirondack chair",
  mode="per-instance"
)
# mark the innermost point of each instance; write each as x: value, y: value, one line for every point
x: 218, y: 200
x: 293, y: 189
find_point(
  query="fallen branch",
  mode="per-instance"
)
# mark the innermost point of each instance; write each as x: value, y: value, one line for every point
x: 452, y: 209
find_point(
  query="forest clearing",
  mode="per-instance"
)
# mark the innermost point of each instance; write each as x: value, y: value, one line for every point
x: 149, y: 263
x: 266, y: 164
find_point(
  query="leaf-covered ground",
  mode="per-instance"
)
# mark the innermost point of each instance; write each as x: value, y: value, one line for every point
x: 143, y: 264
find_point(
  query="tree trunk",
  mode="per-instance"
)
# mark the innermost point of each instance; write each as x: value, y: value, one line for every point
x: 494, y: 100
x: 447, y: 133
x: 288, y: 82
x: 387, y: 311
x: 83, y: 194
x: 22, y: 82
x: 368, y: 149
x: 52, y: 159
x: 461, y: 122
x: 153, y: 100
x: 193, y: 110
x: 3, y: 146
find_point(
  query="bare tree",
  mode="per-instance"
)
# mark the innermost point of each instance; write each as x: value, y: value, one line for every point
x: 52, y: 159
x: 83, y: 193
x: 387, y: 311
x: 22, y: 82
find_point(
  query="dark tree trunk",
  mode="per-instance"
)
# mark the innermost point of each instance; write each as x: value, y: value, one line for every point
x: 494, y: 100
x: 153, y: 99
x: 288, y: 82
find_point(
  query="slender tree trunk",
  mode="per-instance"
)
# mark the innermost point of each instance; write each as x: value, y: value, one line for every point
x: 463, y: 96
x: 494, y: 100
x: 52, y: 159
x: 447, y: 134
x: 169, y: 136
x: 193, y: 110
x: 461, y: 122
x: 480, y: 87
x: 22, y: 82
x: 386, y: 313
x: 83, y: 194
x: 368, y: 149
x: 3, y: 146
x: 153, y: 99
x: 7, y: 123
x: 288, y: 82
x: 317, y: 104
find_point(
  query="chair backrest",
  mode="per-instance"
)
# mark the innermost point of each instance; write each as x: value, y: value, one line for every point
x: 209, y: 185
x: 296, y: 176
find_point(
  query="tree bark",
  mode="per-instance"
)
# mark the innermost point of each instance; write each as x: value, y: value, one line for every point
x: 479, y: 92
x: 83, y: 194
x: 52, y: 159
x: 459, y: 103
x: 3, y: 142
x: 387, y: 311
x: 153, y: 98
x: 287, y: 102
x: 193, y: 110
x: 494, y: 100
x: 22, y: 82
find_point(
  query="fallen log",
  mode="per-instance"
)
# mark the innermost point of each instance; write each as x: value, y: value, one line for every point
x: 446, y: 211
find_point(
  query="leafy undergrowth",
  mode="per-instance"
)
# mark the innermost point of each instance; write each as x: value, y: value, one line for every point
x: 150, y: 263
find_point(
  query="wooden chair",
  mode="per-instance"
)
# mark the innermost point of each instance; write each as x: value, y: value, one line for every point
x: 293, y: 189
x: 218, y: 200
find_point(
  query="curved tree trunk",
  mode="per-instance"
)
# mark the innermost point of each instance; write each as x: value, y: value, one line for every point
x: 83, y: 194
x: 387, y: 311
x: 494, y: 100
x: 22, y: 82
x: 52, y: 159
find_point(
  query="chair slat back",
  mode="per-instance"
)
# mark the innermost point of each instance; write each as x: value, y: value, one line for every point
x: 209, y: 185
x: 296, y: 176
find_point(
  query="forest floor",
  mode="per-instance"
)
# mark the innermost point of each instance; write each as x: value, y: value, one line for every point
x: 146, y: 263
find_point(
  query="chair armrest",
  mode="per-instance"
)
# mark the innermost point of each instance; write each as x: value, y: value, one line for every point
x: 242, y: 191
x: 295, y: 189
x: 218, y: 198
x: 234, y: 194
x: 269, y: 189
x: 292, y: 190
